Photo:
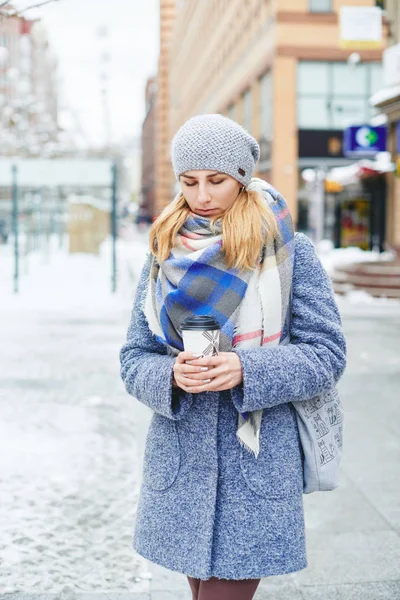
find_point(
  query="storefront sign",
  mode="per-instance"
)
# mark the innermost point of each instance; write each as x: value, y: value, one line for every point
x: 364, y: 141
x: 360, y: 27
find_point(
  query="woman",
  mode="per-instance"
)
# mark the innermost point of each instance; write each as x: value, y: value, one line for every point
x: 221, y: 496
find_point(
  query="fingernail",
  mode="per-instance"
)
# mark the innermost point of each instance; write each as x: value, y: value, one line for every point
x: 204, y: 369
x: 206, y: 380
x: 197, y: 355
x: 188, y: 362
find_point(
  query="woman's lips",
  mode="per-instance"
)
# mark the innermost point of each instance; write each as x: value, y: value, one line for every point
x: 206, y: 211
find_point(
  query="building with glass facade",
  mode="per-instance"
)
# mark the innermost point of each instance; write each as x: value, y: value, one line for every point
x: 278, y: 68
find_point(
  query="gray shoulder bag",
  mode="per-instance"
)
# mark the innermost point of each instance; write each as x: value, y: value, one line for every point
x: 320, y: 425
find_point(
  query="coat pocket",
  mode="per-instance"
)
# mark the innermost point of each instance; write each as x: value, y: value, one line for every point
x: 277, y: 472
x: 161, y: 459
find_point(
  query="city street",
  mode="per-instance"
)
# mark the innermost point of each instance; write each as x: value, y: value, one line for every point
x: 99, y: 132
x: 71, y: 444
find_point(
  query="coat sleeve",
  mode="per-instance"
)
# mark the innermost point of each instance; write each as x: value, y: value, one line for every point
x: 315, y: 358
x: 146, y: 366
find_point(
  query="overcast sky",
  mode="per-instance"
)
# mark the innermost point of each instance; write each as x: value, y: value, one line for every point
x: 133, y: 43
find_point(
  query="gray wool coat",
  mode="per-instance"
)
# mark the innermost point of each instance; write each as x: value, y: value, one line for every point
x: 207, y: 507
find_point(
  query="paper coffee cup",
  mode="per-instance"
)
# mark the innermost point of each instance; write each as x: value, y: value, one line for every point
x: 200, y: 335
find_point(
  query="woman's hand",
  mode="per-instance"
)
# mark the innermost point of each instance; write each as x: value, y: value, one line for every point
x: 208, y: 374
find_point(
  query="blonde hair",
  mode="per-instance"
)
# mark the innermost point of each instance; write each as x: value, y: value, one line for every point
x: 246, y: 225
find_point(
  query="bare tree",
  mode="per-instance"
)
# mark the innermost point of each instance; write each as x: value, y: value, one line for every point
x: 8, y: 10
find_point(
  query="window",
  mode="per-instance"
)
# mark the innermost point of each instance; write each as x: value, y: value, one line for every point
x: 334, y: 95
x: 247, y: 110
x: 266, y: 104
x: 312, y: 78
x: 312, y: 113
x: 320, y: 6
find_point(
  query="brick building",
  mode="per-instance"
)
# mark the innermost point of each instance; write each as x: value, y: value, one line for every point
x: 280, y: 71
x: 163, y: 174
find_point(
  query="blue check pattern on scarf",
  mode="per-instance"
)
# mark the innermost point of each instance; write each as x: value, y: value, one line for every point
x: 185, y: 296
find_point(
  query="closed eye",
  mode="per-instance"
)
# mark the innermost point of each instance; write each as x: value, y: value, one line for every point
x: 213, y: 182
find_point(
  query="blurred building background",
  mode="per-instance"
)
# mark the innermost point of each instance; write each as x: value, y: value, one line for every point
x: 148, y: 187
x: 387, y: 101
x: 37, y: 121
x: 28, y: 89
x: 168, y: 11
x: 287, y: 73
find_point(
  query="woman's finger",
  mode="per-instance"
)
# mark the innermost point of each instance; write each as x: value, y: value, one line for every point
x: 208, y: 374
x: 189, y: 369
x: 186, y: 355
x: 191, y: 385
x: 208, y: 361
x: 219, y: 384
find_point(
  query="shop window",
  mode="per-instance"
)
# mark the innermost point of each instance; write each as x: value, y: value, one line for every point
x: 313, y: 78
x: 349, y: 81
x: 346, y: 111
x: 312, y: 113
x: 334, y: 95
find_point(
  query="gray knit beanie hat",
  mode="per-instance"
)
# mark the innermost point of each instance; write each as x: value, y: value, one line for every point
x: 214, y: 142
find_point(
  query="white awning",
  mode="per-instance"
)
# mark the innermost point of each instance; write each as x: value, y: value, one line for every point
x: 353, y: 173
x: 385, y: 95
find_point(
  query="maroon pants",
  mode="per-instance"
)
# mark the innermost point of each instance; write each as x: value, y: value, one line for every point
x: 223, y: 589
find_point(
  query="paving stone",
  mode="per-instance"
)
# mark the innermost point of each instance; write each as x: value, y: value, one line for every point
x: 278, y: 588
x: 388, y: 590
x: 69, y: 476
x: 166, y: 580
x: 351, y: 557
x: 342, y: 510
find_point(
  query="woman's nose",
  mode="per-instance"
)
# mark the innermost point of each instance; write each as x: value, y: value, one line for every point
x: 203, y: 195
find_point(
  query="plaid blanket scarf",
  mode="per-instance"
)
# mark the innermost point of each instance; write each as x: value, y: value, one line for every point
x: 250, y: 306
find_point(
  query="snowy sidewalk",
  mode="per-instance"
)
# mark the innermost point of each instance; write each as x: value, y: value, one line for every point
x: 71, y: 447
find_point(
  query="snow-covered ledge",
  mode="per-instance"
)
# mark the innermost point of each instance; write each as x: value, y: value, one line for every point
x: 385, y: 96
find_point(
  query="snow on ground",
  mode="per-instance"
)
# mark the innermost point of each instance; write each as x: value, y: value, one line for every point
x: 332, y: 257
x: 51, y: 279
x: 71, y: 438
